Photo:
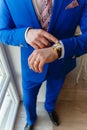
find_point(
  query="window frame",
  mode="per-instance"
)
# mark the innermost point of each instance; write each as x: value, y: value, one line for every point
x: 9, y: 84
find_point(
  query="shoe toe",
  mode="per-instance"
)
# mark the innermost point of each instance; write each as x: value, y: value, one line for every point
x: 27, y: 127
x: 54, y: 118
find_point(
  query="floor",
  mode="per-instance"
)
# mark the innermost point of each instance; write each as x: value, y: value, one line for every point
x: 43, y: 122
x: 71, y: 107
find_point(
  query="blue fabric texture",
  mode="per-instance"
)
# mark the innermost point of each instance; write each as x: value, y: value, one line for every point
x: 30, y: 92
x: 16, y: 16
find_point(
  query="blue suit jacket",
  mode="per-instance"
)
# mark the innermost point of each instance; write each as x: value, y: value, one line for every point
x: 17, y: 15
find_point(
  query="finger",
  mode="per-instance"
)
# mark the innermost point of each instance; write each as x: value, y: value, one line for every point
x: 50, y: 37
x: 36, y: 66
x: 41, y: 65
x: 30, y: 57
x: 31, y: 60
x: 31, y: 63
x: 45, y: 41
x: 35, y: 46
x: 40, y: 44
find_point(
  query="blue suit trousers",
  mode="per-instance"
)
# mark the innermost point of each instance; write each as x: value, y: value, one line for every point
x: 30, y: 92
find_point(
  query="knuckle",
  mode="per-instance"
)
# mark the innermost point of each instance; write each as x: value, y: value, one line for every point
x: 40, y: 55
x: 40, y: 66
x: 31, y: 64
x: 36, y: 38
x: 32, y: 43
x: 35, y: 52
x: 40, y: 31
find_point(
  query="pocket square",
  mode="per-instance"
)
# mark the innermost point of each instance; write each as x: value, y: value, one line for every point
x: 73, y: 4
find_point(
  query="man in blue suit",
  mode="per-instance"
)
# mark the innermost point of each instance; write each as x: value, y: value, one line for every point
x: 45, y: 33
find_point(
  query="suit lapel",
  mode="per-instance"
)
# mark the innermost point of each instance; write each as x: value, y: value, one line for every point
x: 35, y: 21
x: 55, y: 13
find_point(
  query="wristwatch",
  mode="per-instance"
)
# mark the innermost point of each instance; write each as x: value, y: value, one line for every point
x: 58, y: 48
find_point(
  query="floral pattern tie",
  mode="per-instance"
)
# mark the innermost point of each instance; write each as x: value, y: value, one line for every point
x: 45, y: 13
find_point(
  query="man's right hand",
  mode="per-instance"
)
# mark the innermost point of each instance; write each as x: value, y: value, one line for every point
x: 39, y: 38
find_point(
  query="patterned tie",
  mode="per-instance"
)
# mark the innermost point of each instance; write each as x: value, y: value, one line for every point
x: 45, y: 13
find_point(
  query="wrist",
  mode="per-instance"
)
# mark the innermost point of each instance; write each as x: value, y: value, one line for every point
x: 57, y: 47
x: 54, y: 53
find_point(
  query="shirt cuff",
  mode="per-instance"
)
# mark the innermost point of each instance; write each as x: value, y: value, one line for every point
x: 26, y: 33
x: 63, y: 50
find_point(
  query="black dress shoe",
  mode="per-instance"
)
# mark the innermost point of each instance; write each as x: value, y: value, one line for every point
x: 54, y: 118
x: 27, y: 127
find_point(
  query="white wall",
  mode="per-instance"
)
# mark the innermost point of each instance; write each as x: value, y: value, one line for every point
x: 13, y: 55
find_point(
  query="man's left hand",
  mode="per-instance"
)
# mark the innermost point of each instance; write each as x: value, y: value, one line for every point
x: 40, y: 57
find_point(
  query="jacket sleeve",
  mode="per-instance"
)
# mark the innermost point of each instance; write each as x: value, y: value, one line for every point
x: 77, y: 46
x: 9, y: 34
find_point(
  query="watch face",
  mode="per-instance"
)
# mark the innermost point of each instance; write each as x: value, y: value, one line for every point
x: 59, y: 52
x: 58, y: 48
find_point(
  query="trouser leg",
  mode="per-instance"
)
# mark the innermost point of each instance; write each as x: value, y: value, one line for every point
x: 53, y: 88
x: 30, y: 92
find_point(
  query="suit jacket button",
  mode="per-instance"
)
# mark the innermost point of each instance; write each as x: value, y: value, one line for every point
x: 73, y: 57
x: 21, y: 45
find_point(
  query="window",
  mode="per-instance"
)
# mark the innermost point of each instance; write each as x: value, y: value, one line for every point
x: 2, y: 76
x: 9, y: 100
